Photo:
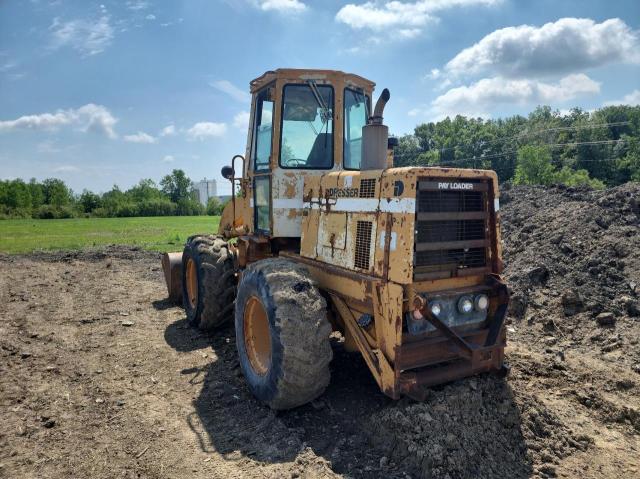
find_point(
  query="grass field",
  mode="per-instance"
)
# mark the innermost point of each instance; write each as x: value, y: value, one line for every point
x: 166, y: 233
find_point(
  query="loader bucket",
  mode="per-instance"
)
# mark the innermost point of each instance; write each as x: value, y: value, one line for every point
x: 172, y: 267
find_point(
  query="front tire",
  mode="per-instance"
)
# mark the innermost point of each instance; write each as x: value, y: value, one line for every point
x: 282, y: 334
x: 208, y: 281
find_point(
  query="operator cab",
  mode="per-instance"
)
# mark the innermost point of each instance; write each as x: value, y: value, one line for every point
x: 303, y: 123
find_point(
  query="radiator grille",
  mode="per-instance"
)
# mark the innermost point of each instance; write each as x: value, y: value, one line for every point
x: 453, y: 258
x: 368, y: 188
x: 460, y: 230
x: 450, y: 201
x: 363, y: 244
x: 451, y: 228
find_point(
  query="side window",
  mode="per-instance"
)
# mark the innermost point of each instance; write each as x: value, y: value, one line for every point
x: 355, y: 117
x: 263, y: 131
x: 307, y: 127
x: 262, y: 191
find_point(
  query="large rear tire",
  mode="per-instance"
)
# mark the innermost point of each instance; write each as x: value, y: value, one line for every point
x: 282, y: 333
x: 208, y: 281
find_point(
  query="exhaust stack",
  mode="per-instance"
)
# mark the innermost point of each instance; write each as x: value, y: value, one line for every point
x: 375, y: 137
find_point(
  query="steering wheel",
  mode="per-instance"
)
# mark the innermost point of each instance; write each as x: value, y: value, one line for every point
x: 295, y: 162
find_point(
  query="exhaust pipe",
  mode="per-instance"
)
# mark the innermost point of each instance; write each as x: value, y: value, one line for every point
x: 376, y: 119
x: 375, y: 137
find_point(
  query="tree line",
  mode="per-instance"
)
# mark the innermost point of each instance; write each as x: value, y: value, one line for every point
x: 52, y: 198
x: 599, y: 148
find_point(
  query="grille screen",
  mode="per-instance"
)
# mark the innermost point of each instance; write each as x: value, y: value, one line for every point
x: 450, y: 201
x: 451, y: 228
x: 460, y: 230
x: 363, y: 244
x: 368, y: 188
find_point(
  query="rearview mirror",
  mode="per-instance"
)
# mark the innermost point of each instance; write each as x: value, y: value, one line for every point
x: 227, y: 172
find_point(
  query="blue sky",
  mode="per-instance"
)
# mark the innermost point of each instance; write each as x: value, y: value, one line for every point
x: 103, y: 93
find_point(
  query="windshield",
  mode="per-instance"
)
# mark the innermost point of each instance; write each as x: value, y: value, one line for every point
x: 307, y: 127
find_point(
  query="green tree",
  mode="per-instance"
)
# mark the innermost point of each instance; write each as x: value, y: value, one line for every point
x: 89, y: 201
x: 145, y: 190
x: 534, y: 166
x: 37, y: 193
x: 56, y: 192
x: 214, y: 207
x: 177, y: 186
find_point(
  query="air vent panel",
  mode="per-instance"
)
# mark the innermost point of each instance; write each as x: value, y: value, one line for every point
x: 368, y: 188
x: 363, y: 244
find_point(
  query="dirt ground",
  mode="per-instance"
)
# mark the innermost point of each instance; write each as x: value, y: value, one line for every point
x: 101, y: 377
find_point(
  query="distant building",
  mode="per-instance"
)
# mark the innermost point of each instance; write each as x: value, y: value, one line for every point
x: 206, y: 189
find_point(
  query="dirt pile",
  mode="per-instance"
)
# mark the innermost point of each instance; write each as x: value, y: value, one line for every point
x: 573, y: 262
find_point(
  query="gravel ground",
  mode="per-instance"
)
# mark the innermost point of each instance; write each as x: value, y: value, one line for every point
x: 101, y: 377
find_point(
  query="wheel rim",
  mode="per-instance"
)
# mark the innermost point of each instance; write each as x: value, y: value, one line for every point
x: 192, y: 283
x: 257, y: 338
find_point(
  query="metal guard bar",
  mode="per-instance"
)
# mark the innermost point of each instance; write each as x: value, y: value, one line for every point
x: 470, y: 351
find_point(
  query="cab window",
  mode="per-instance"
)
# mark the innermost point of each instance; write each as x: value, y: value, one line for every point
x: 263, y: 130
x: 307, y: 127
x: 355, y: 117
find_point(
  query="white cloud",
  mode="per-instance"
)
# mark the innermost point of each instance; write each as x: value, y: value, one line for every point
x: 47, y: 147
x: 90, y: 117
x: 151, y: 16
x: 89, y: 37
x: 408, y: 17
x: 168, y: 159
x: 285, y: 6
x: 230, y: 89
x: 140, y: 137
x: 5, y: 67
x: 241, y: 120
x: 98, y: 119
x: 632, y: 99
x: 66, y: 169
x: 168, y: 130
x: 206, y: 129
x: 567, y: 45
x: 136, y: 5
x: 484, y: 95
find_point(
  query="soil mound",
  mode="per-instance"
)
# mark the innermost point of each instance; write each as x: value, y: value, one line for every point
x: 572, y: 259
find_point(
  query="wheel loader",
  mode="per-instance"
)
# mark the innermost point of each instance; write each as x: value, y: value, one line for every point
x: 323, y: 234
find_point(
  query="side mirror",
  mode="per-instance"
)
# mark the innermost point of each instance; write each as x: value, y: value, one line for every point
x: 392, y: 142
x: 227, y: 172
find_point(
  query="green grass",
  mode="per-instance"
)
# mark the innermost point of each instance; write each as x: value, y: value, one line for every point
x: 166, y: 233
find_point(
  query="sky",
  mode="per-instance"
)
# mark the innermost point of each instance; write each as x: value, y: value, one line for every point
x: 104, y: 93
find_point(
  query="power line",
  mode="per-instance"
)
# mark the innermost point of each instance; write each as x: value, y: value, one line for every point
x: 551, y: 145
x: 527, y: 134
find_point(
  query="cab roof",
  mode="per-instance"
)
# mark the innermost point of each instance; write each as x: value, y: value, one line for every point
x: 298, y: 74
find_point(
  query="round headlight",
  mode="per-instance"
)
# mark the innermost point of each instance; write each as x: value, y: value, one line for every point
x: 436, y: 309
x: 482, y: 302
x: 465, y: 305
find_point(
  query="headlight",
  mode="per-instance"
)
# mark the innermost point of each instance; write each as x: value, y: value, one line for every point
x: 436, y: 309
x: 465, y: 305
x: 481, y: 302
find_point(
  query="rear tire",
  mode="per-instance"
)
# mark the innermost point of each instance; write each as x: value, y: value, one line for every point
x: 277, y: 299
x: 208, y: 281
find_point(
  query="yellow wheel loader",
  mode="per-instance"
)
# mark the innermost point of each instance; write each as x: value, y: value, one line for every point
x: 324, y: 234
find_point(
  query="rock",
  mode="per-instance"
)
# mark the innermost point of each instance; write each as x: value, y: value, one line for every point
x: 630, y: 305
x: 49, y: 423
x: 538, y: 274
x: 606, y: 319
x: 25, y: 354
x: 127, y: 323
x: 383, y: 462
x: 572, y: 303
x: 518, y: 306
